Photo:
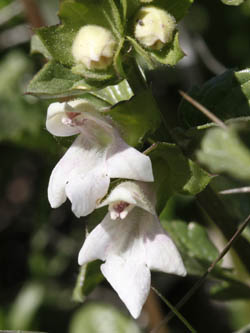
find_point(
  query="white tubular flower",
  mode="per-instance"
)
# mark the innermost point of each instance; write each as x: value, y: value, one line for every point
x: 97, y: 154
x: 131, y: 241
x: 94, y: 47
x: 154, y: 27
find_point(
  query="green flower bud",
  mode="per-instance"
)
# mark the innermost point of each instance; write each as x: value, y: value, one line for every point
x: 94, y: 47
x: 154, y: 27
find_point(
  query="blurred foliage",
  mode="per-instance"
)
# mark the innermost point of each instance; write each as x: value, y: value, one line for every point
x: 39, y: 246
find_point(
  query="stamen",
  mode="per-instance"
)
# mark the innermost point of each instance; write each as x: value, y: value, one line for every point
x: 119, y: 210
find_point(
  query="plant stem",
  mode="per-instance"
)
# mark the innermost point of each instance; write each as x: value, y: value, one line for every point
x: 33, y: 13
x: 173, y: 311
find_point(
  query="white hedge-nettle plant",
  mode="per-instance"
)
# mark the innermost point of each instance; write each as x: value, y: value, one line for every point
x: 154, y: 27
x: 94, y: 47
x: 101, y: 75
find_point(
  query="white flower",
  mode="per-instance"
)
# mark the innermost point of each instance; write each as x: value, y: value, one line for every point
x: 154, y: 27
x: 97, y: 154
x: 94, y: 46
x: 131, y: 241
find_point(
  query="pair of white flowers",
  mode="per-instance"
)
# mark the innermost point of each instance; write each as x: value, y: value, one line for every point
x: 130, y: 239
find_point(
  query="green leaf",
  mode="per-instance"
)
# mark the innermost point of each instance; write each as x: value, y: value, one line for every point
x: 245, y: 329
x: 136, y: 118
x: 169, y: 55
x: 37, y: 46
x: 176, y: 8
x: 103, y: 76
x: 233, y: 2
x: 173, y: 173
x: 25, y: 306
x: 145, y: 54
x: 197, y: 250
x: 223, y: 151
x: 114, y: 94
x: 198, y: 181
x: 88, y: 278
x: 226, y: 95
x: 55, y: 80
x: 95, y: 318
x: 227, y: 291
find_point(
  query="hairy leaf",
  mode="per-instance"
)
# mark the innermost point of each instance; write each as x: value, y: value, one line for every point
x: 224, y: 151
x: 136, y: 118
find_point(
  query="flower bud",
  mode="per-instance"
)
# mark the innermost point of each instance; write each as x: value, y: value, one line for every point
x: 94, y: 47
x: 154, y: 27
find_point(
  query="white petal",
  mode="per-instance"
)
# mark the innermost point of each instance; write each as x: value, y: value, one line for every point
x: 161, y: 252
x: 77, y: 162
x: 126, y: 162
x: 86, y: 190
x: 133, y: 193
x: 95, y: 246
x: 110, y: 238
x: 130, y: 279
x: 55, y: 123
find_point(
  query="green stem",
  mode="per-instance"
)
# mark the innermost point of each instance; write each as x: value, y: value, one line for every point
x: 174, y: 310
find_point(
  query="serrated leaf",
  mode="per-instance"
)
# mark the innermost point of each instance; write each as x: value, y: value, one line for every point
x: 223, y: 151
x: 55, y: 80
x: 95, y: 318
x: 198, y: 181
x: 115, y: 93
x: 232, y: 2
x: 88, y: 278
x: 173, y: 173
x: 226, y: 95
x: 136, y: 118
x: 170, y: 54
x: 146, y: 56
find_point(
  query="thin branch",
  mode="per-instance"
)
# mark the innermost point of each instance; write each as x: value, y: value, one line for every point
x: 151, y: 148
x: 174, y: 310
x: 204, y: 110
x: 197, y: 285
x: 245, y: 189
